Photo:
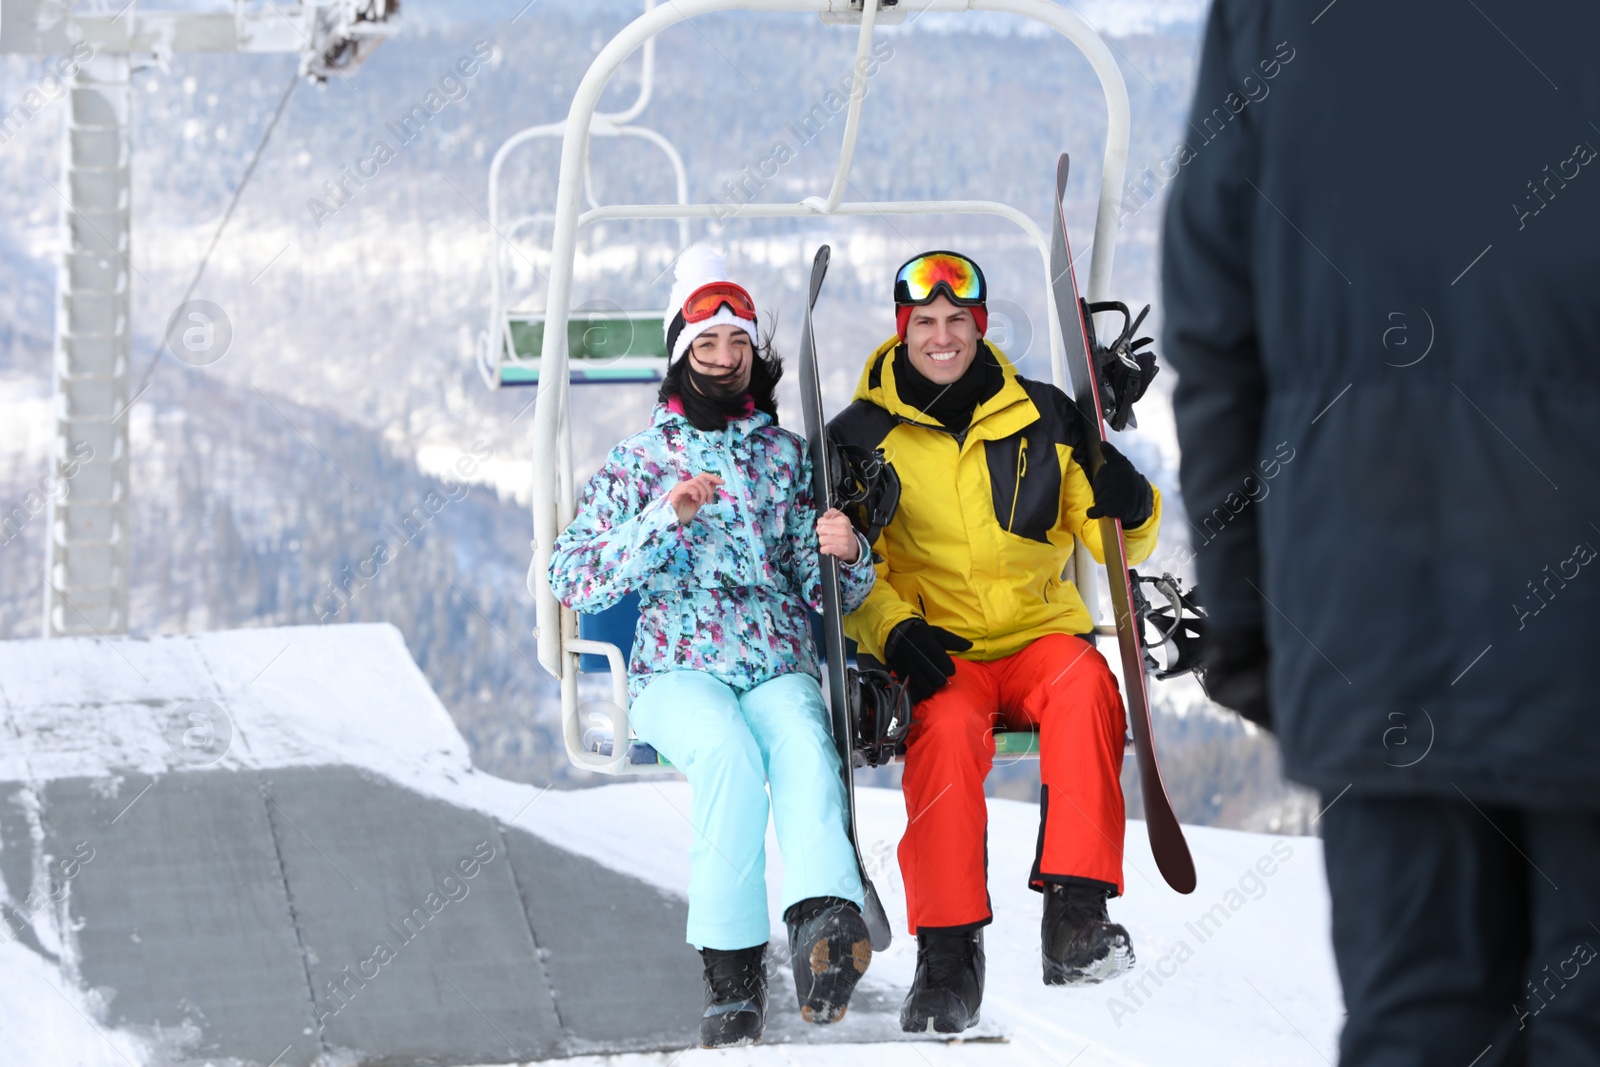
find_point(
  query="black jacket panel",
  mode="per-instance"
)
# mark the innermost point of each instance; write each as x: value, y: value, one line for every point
x: 1382, y: 260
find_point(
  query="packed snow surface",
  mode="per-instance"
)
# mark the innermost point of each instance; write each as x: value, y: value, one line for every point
x: 1238, y: 973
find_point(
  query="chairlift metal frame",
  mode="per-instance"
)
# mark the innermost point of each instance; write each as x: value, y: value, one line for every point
x: 498, y: 362
x: 553, y: 497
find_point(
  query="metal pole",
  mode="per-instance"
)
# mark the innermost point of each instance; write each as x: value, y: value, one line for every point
x: 86, y: 580
x: 87, y: 535
x: 858, y: 93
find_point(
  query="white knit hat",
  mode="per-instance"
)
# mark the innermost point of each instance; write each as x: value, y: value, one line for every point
x: 699, y: 265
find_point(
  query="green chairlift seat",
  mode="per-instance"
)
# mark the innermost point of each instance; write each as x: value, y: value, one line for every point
x: 603, y: 346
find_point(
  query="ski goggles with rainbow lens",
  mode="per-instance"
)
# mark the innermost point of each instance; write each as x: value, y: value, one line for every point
x: 932, y: 273
x: 705, y: 301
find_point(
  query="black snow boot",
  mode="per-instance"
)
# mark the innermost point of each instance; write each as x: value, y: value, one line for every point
x: 948, y: 987
x: 829, y: 948
x: 736, y: 996
x: 1078, y: 941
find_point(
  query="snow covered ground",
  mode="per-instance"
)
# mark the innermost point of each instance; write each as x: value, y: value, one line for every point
x: 1239, y: 973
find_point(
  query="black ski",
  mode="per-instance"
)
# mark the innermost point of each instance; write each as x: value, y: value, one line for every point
x: 1166, y: 835
x: 832, y: 618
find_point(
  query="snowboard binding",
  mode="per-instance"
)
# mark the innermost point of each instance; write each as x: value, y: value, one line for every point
x: 1178, y: 626
x: 1124, y: 372
x: 866, y: 487
x: 881, y: 707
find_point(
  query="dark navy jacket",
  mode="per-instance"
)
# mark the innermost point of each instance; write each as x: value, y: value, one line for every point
x: 1382, y: 257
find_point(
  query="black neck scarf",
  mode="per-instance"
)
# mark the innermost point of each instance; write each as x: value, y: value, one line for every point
x: 953, y: 404
x: 705, y: 402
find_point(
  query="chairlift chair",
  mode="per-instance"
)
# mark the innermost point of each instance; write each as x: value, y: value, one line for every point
x: 605, y: 344
x: 566, y: 346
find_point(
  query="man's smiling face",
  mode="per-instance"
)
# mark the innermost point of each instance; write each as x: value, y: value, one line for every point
x: 942, y: 340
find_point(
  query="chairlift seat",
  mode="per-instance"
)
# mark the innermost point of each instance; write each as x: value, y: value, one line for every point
x: 619, y: 623
x: 604, y: 347
x: 615, y: 625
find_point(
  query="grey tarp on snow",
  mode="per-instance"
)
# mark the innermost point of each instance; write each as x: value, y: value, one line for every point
x: 241, y: 911
x: 248, y: 906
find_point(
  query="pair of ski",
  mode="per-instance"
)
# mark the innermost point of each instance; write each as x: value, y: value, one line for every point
x: 1166, y: 835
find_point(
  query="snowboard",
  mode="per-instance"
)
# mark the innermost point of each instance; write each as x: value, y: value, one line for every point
x: 1077, y: 331
x: 842, y: 714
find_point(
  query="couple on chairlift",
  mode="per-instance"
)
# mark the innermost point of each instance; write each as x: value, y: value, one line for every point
x: 709, y: 516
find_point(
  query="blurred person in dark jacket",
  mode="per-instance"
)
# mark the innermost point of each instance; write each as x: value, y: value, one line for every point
x: 1382, y: 252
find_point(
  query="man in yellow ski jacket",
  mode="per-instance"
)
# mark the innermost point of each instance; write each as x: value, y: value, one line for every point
x: 994, y: 490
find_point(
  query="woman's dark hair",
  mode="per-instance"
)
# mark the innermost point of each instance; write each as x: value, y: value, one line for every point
x: 708, y: 412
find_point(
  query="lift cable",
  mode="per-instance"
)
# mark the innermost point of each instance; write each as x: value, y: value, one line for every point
x: 249, y: 172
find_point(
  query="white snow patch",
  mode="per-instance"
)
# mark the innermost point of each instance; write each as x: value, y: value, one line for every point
x: 274, y: 697
x: 44, y: 1020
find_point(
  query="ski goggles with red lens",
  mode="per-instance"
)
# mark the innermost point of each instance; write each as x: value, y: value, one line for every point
x: 947, y: 274
x: 705, y: 301
x: 932, y: 273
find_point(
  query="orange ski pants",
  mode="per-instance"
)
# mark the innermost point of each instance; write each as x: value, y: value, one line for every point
x: 1059, y: 684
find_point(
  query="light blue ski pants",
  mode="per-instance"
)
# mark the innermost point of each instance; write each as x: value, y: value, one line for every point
x: 731, y: 746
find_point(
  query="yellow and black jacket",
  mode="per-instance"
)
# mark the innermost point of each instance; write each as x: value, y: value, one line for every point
x: 987, y: 517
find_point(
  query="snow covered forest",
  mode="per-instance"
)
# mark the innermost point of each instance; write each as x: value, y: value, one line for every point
x: 344, y: 461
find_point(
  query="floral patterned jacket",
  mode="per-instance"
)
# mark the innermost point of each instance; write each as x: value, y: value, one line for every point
x: 727, y: 593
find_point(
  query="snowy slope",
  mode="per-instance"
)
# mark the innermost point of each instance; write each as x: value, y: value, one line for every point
x: 1250, y: 984
x: 1239, y: 973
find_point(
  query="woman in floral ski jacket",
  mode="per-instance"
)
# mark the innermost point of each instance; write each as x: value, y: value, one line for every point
x: 709, y: 517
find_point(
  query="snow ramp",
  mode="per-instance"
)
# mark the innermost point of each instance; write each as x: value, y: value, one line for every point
x: 270, y: 847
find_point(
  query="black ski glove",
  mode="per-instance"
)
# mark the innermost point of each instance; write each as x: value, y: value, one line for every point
x: 1120, y: 491
x: 1236, y: 672
x: 920, y: 655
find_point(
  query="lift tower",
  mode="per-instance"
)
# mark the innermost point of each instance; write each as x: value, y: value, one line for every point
x: 87, y: 558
